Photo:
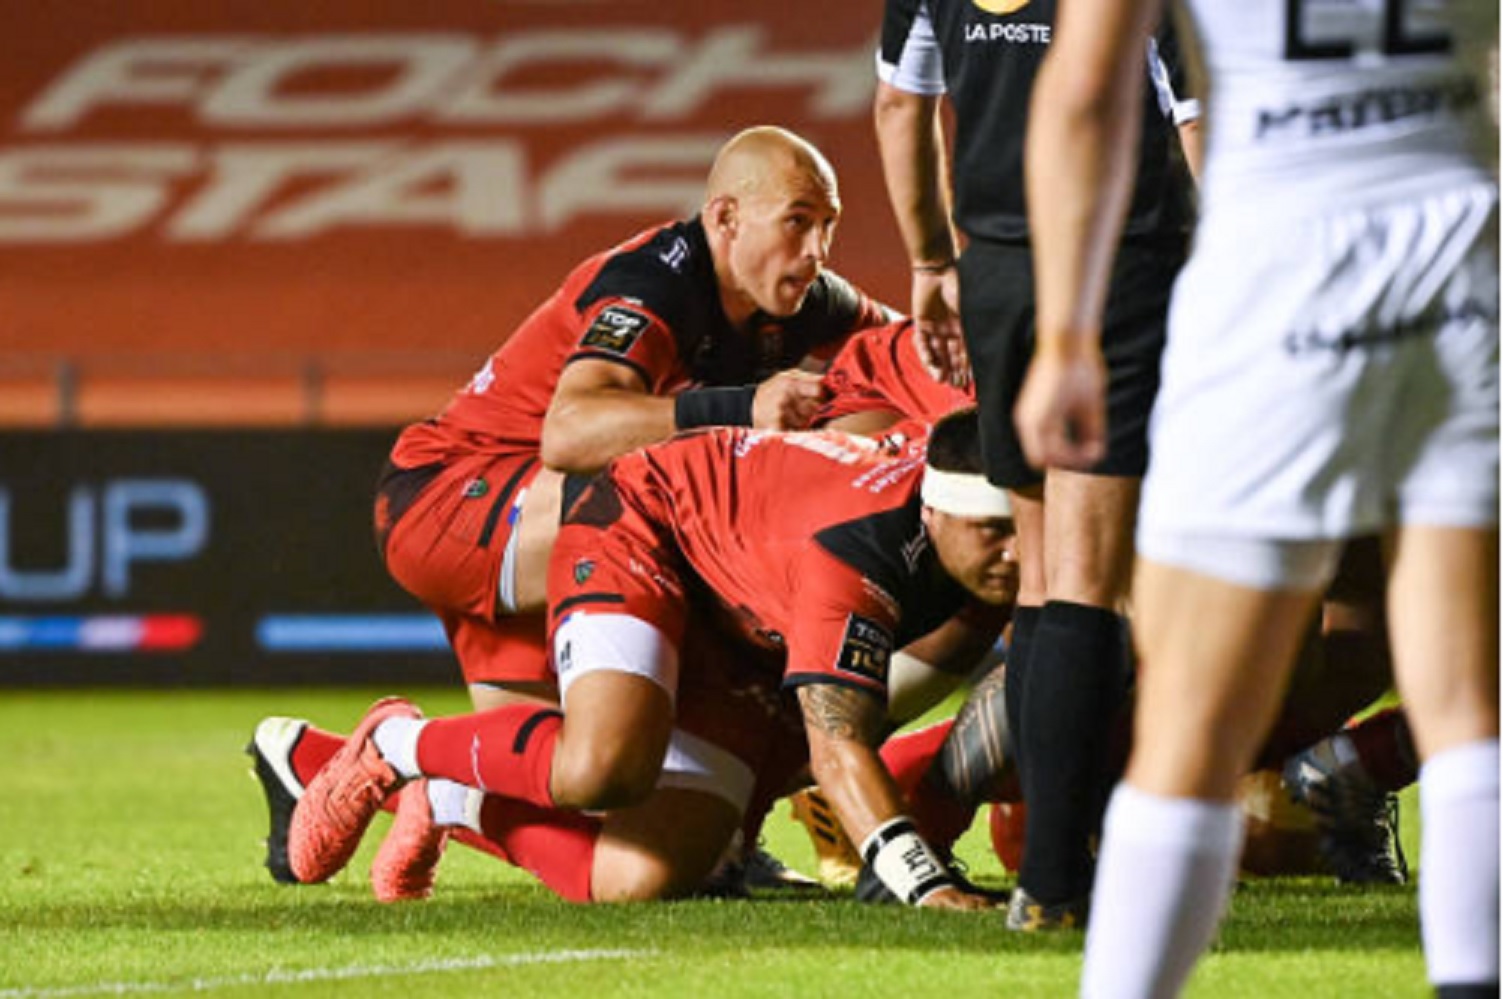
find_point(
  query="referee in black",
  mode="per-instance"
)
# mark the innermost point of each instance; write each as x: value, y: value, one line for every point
x: 1069, y: 663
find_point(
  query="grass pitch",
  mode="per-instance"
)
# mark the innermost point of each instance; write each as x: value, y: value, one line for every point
x: 130, y: 865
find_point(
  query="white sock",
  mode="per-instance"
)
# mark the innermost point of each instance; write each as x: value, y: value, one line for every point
x: 1162, y: 883
x: 1458, y: 877
x: 454, y: 804
x: 396, y: 741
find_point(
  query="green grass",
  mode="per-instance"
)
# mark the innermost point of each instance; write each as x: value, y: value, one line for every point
x: 130, y: 864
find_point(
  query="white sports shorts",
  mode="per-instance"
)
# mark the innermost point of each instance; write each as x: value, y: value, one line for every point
x: 1337, y: 378
x: 587, y: 643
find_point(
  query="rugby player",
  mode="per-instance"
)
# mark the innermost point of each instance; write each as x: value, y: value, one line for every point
x: 1331, y: 371
x: 691, y: 323
x: 1074, y: 525
x: 688, y: 582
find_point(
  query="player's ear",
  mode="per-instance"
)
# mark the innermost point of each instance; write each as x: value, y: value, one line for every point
x: 723, y: 212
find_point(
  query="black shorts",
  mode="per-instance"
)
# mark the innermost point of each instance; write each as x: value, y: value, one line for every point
x: 997, y: 311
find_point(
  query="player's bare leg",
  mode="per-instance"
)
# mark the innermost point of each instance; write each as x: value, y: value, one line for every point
x: 1443, y: 608
x: 1088, y: 536
x: 1215, y: 661
x: 662, y: 848
x: 611, y: 746
x: 1074, y: 689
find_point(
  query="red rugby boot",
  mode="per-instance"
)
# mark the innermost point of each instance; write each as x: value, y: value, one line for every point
x: 339, y: 803
x: 406, y: 864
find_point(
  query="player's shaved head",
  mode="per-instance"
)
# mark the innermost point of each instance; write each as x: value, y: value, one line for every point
x: 770, y: 211
x: 767, y: 160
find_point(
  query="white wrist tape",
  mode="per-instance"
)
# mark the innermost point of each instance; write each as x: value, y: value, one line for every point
x: 904, y: 862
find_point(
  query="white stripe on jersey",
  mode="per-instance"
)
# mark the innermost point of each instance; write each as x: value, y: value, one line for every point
x: 919, y: 70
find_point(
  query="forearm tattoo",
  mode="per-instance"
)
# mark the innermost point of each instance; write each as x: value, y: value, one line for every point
x: 842, y: 713
x: 974, y: 755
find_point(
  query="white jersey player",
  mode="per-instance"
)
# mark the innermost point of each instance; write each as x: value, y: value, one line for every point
x: 1331, y: 370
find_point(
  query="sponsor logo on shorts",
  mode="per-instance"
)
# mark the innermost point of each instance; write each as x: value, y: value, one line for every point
x: 615, y: 329
x: 1313, y: 341
x: 866, y: 649
x: 583, y: 570
x: 476, y: 488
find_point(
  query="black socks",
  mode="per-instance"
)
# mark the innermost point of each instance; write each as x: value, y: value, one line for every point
x: 1075, y: 683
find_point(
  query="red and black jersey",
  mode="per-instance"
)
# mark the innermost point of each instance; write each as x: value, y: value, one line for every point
x: 651, y: 303
x: 807, y: 542
x: 880, y: 369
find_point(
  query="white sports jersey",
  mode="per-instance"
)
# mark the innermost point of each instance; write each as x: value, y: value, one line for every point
x: 1332, y: 360
x: 1374, y: 82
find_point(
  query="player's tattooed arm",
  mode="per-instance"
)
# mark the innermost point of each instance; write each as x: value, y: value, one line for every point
x: 837, y: 712
x: 844, y: 726
x: 973, y: 756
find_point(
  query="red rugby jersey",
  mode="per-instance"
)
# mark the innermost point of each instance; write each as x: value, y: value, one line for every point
x: 880, y: 369
x: 810, y: 542
x: 651, y: 303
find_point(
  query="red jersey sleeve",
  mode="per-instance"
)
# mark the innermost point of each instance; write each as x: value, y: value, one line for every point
x: 627, y: 332
x: 844, y: 629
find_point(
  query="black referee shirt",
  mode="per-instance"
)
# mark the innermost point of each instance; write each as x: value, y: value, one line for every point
x: 990, y: 62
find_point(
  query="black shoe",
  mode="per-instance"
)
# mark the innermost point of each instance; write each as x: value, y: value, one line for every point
x: 737, y: 877
x: 763, y: 872
x: 1026, y: 914
x: 271, y: 750
x: 1357, y: 820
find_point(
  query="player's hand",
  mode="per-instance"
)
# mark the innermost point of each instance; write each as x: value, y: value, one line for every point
x: 956, y: 898
x: 1061, y: 412
x: 936, y: 322
x: 787, y: 401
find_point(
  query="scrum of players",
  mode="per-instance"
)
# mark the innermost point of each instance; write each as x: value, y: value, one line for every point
x: 585, y: 820
x: 705, y: 532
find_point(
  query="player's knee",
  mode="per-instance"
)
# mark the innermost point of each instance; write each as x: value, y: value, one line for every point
x: 644, y: 879
x: 599, y: 777
x: 1093, y: 576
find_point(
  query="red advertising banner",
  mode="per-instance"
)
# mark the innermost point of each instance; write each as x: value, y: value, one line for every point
x: 182, y: 181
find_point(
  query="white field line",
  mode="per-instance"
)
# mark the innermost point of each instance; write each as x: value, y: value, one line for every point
x: 296, y: 976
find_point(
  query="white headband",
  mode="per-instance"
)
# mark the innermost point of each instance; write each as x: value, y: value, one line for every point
x: 963, y: 494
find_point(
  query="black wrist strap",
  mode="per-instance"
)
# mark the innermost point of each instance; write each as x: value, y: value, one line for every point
x: 714, y: 407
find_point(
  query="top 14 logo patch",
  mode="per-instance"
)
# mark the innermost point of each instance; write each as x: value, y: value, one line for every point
x: 616, y: 329
x: 866, y: 649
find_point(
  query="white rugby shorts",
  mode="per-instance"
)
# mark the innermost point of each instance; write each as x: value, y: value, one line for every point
x: 588, y: 643
x: 1335, y: 378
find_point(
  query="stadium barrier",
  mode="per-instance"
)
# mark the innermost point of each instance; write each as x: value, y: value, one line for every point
x: 201, y: 558
x: 220, y: 388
